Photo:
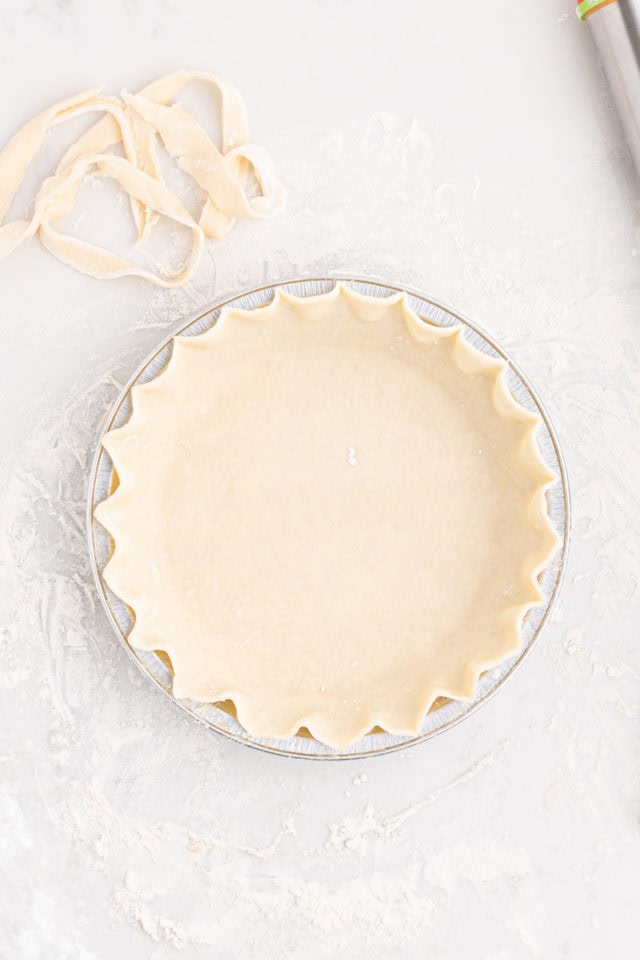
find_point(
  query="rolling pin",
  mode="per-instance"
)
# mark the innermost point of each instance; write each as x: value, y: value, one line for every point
x: 615, y: 27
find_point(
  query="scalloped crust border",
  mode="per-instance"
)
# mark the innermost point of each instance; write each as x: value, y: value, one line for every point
x: 469, y: 360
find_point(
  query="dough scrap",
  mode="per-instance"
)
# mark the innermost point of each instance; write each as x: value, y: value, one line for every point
x: 134, y: 122
x: 330, y: 512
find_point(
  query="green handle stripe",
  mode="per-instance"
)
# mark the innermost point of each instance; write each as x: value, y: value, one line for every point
x: 590, y: 6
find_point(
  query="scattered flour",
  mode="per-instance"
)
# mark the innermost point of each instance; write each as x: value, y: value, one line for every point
x: 134, y: 829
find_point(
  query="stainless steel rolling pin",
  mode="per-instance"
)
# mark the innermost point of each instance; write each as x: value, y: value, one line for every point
x: 615, y: 26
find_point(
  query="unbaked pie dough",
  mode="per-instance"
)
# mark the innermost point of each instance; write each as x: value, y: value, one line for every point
x: 330, y: 512
x: 134, y: 123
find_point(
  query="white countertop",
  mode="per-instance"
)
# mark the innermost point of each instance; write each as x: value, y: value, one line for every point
x: 470, y: 150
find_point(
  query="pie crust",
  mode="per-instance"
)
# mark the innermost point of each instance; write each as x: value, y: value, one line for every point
x: 329, y: 512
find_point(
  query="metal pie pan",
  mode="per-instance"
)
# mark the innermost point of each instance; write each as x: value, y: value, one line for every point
x: 446, y: 714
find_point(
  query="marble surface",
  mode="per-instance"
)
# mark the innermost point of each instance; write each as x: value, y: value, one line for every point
x: 473, y: 154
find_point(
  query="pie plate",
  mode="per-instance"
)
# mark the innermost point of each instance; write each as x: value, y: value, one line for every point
x: 444, y: 714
